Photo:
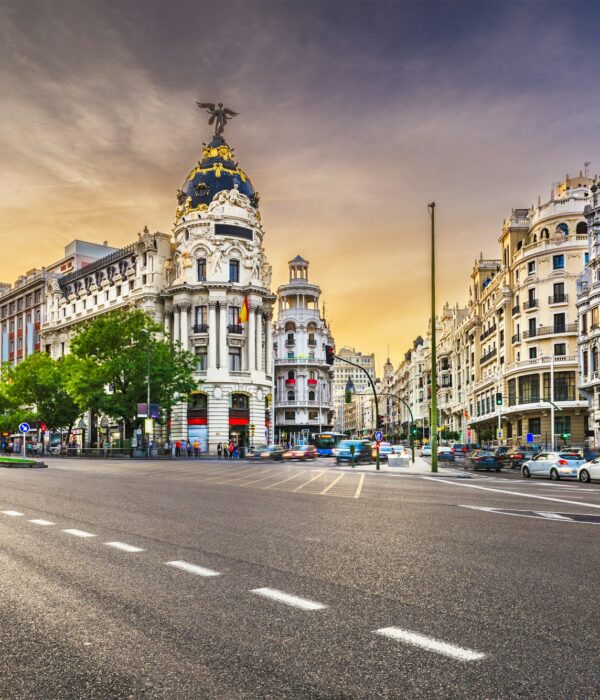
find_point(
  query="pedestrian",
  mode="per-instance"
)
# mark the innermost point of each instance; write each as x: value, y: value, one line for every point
x: 230, y: 449
x: 219, y: 450
x: 167, y: 447
x: 178, y: 448
x: 196, y: 448
x: 236, y: 452
x: 189, y: 448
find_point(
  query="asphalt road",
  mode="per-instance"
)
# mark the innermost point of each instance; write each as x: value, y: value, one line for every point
x: 221, y: 580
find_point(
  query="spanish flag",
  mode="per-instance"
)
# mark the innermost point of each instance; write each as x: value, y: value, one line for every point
x: 244, y: 312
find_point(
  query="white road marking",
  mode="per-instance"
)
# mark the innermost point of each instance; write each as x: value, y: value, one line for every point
x: 78, y: 533
x: 360, y: 485
x: 40, y: 521
x: 430, y: 644
x: 12, y: 513
x: 293, y: 600
x: 124, y: 547
x: 539, y: 515
x: 277, y: 483
x: 306, y: 483
x: 324, y: 491
x: 192, y: 568
x: 512, y: 493
x: 552, y: 516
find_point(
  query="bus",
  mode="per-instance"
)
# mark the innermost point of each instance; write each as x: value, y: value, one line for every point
x: 326, y: 442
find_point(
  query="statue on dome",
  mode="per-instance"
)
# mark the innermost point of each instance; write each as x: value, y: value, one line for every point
x: 219, y: 115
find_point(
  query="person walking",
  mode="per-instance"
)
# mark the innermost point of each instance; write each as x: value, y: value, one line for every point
x: 196, y: 448
x: 230, y: 450
x: 178, y: 448
x: 219, y: 450
x: 236, y: 451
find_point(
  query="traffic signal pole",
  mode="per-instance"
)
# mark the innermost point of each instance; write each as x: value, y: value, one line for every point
x: 433, y: 422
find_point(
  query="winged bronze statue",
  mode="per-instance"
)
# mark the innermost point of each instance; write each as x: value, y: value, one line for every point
x: 219, y: 115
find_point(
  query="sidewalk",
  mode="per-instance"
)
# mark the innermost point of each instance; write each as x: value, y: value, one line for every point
x: 420, y: 467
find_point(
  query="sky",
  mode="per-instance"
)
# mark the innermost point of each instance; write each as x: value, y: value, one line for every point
x: 353, y: 116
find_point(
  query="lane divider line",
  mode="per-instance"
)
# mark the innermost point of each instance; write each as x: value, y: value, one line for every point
x: 41, y: 521
x: 192, y: 568
x: 359, y: 487
x: 123, y: 547
x: 430, y: 644
x: 293, y: 600
x: 78, y: 533
x: 306, y: 483
x: 277, y: 483
x: 333, y: 483
x: 12, y: 513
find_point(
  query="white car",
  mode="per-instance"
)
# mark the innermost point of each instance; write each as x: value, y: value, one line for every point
x: 425, y: 451
x: 589, y: 471
x: 553, y: 464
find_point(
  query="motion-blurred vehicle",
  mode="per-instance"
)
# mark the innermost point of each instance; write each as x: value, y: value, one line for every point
x: 362, y: 451
x: 425, y: 451
x: 301, y: 452
x: 462, y: 449
x: 483, y: 459
x: 274, y: 452
x: 385, y: 450
x: 556, y: 465
x: 588, y: 471
x: 516, y: 457
x: 445, y: 454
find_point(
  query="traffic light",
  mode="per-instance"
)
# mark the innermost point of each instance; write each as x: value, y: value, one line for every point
x: 499, y: 399
x: 379, y: 422
x: 566, y: 436
x: 329, y: 354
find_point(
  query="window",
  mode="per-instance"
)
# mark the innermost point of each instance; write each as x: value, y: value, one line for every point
x: 311, y: 395
x: 560, y: 349
x: 201, y: 269
x: 313, y: 415
x: 585, y: 364
x: 532, y: 353
x: 290, y: 415
x: 594, y: 317
x: 235, y: 359
x: 531, y: 267
x: 118, y: 290
x: 234, y: 270
x: 201, y: 358
x: 20, y: 344
x: 20, y: 320
x: 529, y: 388
x: 291, y: 396
x: 233, y: 315
x: 519, y: 427
x: 581, y: 227
x: 201, y: 315
x: 291, y: 374
x: 559, y: 293
x: 532, y: 328
x: 531, y: 296
x: 240, y: 402
x: 586, y: 258
x: 558, y: 262
x: 534, y: 426
x: 559, y: 323
x: 197, y: 402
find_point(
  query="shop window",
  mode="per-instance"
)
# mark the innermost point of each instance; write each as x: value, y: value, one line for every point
x: 240, y: 402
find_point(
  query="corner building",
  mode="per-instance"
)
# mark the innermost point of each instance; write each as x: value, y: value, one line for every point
x: 194, y: 284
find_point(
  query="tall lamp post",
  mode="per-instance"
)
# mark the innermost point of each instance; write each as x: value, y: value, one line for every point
x: 148, y: 335
x: 433, y: 423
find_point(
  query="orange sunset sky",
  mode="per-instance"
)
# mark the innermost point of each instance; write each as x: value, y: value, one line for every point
x: 353, y: 116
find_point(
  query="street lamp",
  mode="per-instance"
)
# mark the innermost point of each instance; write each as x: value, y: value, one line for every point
x: 148, y: 334
x: 433, y: 422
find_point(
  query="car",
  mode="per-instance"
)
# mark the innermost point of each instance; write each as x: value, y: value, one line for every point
x: 517, y: 456
x: 274, y: 452
x: 425, y: 451
x: 462, y: 449
x: 556, y: 465
x: 445, y: 454
x: 301, y: 452
x: 589, y: 470
x: 587, y: 453
x: 483, y: 459
x: 501, y: 451
x: 385, y: 450
x: 343, y: 452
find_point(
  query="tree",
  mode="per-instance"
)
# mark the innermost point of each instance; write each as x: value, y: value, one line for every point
x: 110, y: 375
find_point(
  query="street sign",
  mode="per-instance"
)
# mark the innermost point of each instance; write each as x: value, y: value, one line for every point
x: 529, y: 437
x: 378, y: 436
x: 149, y: 426
x: 500, y: 435
x: 24, y: 428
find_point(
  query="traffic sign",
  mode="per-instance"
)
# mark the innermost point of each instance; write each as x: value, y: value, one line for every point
x: 529, y: 437
x: 378, y: 436
x: 500, y: 435
x: 24, y: 428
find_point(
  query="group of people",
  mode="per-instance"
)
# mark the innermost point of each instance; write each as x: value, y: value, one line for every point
x: 193, y: 448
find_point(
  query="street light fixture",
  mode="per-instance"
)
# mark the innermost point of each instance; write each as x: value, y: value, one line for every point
x: 148, y: 334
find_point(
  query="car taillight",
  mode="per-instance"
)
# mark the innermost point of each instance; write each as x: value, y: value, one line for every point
x: 563, y: 462
x: 518, y: 457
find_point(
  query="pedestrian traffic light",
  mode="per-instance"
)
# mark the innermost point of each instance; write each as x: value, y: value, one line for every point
x: 499, y: 399
x: 414, y: 431
x: 329, y: 354
x: 566, y: 436
x: 379, y: 422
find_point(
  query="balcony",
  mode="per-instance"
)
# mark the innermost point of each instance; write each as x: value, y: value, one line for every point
x: 290, y: 342
x: 516, y: 338
x: 312, y: 343
x: 558, y: 299
x: 290, y: 382
x: 487, y: 333
x: 531, y: 304
x: 487, y: 357
x: 312, y: 382
x: 516, y: 310
x: 235, y: 328
x: 200, y: 328
x: 550, y: 330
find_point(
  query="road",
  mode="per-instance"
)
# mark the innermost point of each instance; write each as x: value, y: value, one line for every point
x: 240, y: 580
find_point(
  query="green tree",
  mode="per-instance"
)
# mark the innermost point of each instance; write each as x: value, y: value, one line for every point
x: 110, y: 375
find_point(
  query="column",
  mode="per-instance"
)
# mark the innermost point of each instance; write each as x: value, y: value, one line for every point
x: 176, y: 324
x: 223, y: 336
x: 269, y: 345
x: 251, y: 339
x: 184, y: 326
x: 259, y: 340
x: 212, y: 335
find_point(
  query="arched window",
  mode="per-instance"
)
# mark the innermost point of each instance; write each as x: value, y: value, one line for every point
x: 239, y: 401
x: 290, y: 327
x: 311, y: 395
x: 535, y: 238
x: 545, y: 233
x: 291, y: 396
x: 563, y: 228
x: 197, y: 402
x: 581, y: 227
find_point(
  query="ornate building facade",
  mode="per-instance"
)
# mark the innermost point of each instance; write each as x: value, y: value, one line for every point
x: 194, y: 283
x: 303, y: 379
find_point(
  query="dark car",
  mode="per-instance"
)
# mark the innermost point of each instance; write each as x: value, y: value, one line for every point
x: 483, y: 459
x: 343, y: 452
x: 463, y: 449
x: 516, y: 457
x: 501, y: 451
x: 274, y: 452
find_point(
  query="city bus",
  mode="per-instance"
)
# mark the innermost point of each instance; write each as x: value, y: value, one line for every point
x: 325, y: 442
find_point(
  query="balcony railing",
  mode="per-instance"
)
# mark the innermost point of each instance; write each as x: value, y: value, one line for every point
x: 558, y: 299
x: 516, y: 338
x: 487, y: 333
x: 200, y: 328
x: 558, y: 396
x: 290, y: 341
x: 516, y: 310
x: 531, y: 304
x: 488, y: 356
x: 235, y: 328
x: 550, y: 330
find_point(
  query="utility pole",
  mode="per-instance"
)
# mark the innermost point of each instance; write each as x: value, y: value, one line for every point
x: 433, y: 423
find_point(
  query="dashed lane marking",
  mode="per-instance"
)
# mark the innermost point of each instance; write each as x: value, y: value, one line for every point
x: 324, y: 491
x: 245, y: 473
x: 278, y: 483
x: 40, y: 521
x: 78, y: 533
x: 430, y: 644
x: 123, y: 547
x: 192, y: 568
x: 12, y: 513
x: 256, y: 481
x: 310, y: 480
x: 359, y: 487
x: 288, y: 599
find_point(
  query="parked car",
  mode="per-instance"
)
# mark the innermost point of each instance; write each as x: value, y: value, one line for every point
x: 516, y: 457
x: 362, y: 451
x: 446, y: 454
x: 274, y: 452
x: 556, y: 465
x: 483, y: 459
x: 425, y: 451
x: 385, y: 450
x: 588, y: 471
x: 301, y: 452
